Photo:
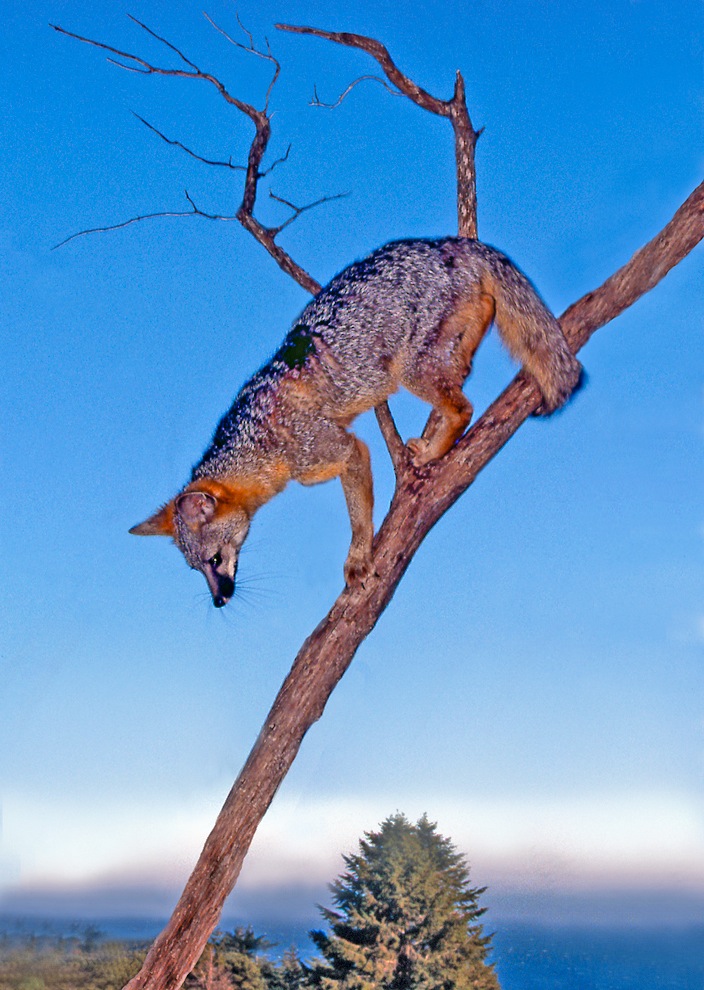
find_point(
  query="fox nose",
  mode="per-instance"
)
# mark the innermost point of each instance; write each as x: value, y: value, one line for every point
x: 226, y: 589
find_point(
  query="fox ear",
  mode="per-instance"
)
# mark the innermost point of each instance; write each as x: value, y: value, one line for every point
x: 196, y: 508
x: 160, y: 524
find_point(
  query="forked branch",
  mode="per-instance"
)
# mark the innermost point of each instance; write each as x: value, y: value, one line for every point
x: 455, y: 109
x: 258, y: 148
x: 193, y: 212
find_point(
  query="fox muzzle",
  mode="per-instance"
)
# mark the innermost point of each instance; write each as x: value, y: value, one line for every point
x: 225, y: 591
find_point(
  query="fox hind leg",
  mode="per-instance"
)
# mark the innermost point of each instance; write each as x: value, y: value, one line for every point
x: 440, y: 372
x: 452, y: 412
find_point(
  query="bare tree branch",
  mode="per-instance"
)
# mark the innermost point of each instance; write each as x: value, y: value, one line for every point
x: 148, y: 69
x: 455, y: 109
x: 278, y: 161
x: 398, y: 451
x: 178, y: 144
x: 316, y: 102
x: 421, y: 498
x: 147, y: 216
x: 254, y: 172
x: 642, y: 273
x: 281, y: 257
x: 163, y: 41
x: 297, y: 210
x: 252, y: 49
x: 379, y: 52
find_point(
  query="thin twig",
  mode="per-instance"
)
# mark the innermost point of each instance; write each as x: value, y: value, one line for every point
x: 297, y: 210
x: 252, y: 50
x: 193, y: 154
x: 165, y: 42
x: 195, y: 211
x: 251, y: 47
x: 316, y: 102
x: 128, y: 68
x: 279, y: 161
x: 149, y: 69
x: 119, y: 226
x: 398, y: 451
x: 208, y: 216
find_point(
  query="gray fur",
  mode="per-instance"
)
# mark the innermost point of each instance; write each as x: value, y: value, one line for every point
x: 412, y: 314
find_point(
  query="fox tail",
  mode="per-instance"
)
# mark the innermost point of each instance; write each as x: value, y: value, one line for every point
x: 532, y: 334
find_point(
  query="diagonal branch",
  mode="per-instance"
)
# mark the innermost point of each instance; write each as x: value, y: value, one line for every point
x: 642, y: 273
x: 421, y: 498
x: 379, y: 52
x: 193, y: 154
x: 398, y: 451
x: 163, y: 41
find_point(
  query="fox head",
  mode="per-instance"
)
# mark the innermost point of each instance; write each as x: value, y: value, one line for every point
x: 209, y: 528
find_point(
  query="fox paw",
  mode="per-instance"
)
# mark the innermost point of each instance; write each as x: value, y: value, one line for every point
x: 358, y: 567
x: 421, y: 452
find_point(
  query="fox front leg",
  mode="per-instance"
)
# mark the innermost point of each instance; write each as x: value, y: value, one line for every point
x: 357, y: 485
x: 338, y: 453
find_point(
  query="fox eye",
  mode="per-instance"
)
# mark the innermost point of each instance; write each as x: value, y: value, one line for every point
x: 216, y: 560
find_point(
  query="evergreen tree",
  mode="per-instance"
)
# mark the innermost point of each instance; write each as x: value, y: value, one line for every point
x: 406, y: 917
x: 230, y: 962
x: 289, y: 974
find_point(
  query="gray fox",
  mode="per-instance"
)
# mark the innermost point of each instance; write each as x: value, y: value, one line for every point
x: 412, y: 313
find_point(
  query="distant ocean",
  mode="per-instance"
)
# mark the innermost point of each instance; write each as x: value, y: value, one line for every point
x: 551, y: 958
x: 527, y: 957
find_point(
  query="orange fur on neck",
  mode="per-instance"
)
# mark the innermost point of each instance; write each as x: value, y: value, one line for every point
x: 247, y: 493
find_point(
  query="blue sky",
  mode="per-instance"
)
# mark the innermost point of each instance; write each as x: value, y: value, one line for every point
x: 536, y: 683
